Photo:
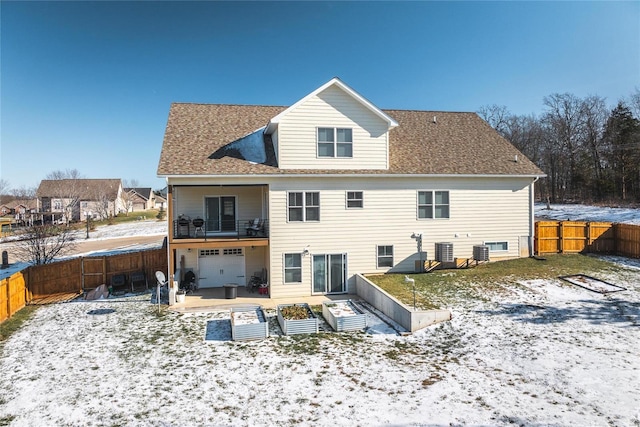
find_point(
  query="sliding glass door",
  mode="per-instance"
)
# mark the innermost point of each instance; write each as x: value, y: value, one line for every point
x: 221, y: 213
x: 330, y: 274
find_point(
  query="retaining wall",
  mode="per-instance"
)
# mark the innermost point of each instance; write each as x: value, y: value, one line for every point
x: 400, y: 313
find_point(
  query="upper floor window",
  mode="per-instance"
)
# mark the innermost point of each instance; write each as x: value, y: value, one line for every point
x: 304, y: 206
x: 335, y: 142
x: 354, y: 199
x: 433, y: 204
x: 57, y: 205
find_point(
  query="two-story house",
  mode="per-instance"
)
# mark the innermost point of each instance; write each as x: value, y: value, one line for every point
x: 332, y: 186
x: 66, y: 200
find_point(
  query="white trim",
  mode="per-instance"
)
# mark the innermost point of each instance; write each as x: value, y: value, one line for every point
x: 342, y: 175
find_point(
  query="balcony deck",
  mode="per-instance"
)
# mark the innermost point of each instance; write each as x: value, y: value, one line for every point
x: 190, y: 231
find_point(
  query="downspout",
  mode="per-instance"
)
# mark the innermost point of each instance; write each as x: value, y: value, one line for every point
x: 532, y: 216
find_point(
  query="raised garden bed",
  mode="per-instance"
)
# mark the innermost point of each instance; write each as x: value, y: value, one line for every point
x: 297, y: 319
x: 248, y: 324
x: 344, y: 315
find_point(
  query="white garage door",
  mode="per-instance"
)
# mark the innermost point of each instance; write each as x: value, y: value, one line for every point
x: 220, y: 266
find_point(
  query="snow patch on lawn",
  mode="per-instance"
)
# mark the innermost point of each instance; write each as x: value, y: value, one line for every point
x: 540, y: 352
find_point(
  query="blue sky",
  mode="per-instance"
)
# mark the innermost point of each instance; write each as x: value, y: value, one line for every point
x: 88, y: 85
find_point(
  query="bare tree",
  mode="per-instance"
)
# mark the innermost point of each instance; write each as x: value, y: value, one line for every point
x: 595, y: 115
x: 634, y: 103
x: 4, y: 189
x: 101, y: 202
x: 130, y: 183
x: 41, y: 244
x: 564, y: 120
x: 126, y: 198
x: 64, y: 174
x: 497, y: 116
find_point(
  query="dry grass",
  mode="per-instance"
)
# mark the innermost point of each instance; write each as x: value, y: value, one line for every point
x: 439, y: 288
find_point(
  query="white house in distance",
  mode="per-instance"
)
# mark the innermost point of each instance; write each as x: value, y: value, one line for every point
x: 332, y: 186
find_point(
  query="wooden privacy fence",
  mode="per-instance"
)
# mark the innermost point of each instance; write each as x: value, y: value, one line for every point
x: 595, y: 237
x: 12, y: 295
x: 78, y: 274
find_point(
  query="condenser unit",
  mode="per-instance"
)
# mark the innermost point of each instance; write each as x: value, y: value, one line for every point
x: 481, y: 253
x: 444, y: 252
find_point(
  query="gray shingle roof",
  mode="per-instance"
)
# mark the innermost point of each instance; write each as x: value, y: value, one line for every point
x: 457, y: 143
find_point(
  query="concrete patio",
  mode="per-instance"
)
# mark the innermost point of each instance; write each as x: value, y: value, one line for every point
x: 212, y: 299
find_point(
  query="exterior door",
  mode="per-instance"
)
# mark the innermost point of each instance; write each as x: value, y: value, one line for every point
x: 330, y: 274
x: 220, y: 213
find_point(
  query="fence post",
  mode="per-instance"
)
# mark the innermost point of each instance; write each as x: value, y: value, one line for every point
x: 8, y: 296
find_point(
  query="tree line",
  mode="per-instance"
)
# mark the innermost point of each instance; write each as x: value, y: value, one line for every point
x: 589, y: 151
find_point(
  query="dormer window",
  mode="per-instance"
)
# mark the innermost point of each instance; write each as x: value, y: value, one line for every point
x: 335, y: 142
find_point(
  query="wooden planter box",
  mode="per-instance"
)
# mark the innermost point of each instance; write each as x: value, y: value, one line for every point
x: 303, y: 326
x: 343, y: 315
x: 249, y: 324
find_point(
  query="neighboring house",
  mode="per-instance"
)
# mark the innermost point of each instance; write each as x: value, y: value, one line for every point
x: 23, y: 211
x: 6, y: 210
x: 333, y: 186
x: 66, y: 200
x: 160, y: 202
x: 139, y: 199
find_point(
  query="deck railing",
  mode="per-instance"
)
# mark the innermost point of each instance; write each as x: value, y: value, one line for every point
x: 197, y: 228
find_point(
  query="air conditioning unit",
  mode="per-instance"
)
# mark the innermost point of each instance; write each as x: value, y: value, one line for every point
x: 481, y: 253
x: 444, y: 252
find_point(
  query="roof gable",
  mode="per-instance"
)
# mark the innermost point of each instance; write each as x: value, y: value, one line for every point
x: 144, y: 192
x: 391, y: 123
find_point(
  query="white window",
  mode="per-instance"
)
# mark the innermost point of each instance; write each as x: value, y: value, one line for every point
x: 209, y: 252
x: 232, y: 251
x: 433, y: 204
x: 292, y: 268
x: 304, y: 206
x: 335, y: 142
x: 385, y: 256
x: 354, y: 199
x: 57, y: 205
x: 497, y: 246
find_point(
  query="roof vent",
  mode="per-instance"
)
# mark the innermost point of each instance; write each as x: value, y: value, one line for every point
x: 515, y: 158
x: 434, y: 119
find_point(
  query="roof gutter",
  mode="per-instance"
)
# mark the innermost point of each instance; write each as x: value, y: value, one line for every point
x: 341, y: 175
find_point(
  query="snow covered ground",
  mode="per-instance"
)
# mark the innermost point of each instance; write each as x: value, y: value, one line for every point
x: 587, y: 213
x: 535, y: 353
x: 543, y: 352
